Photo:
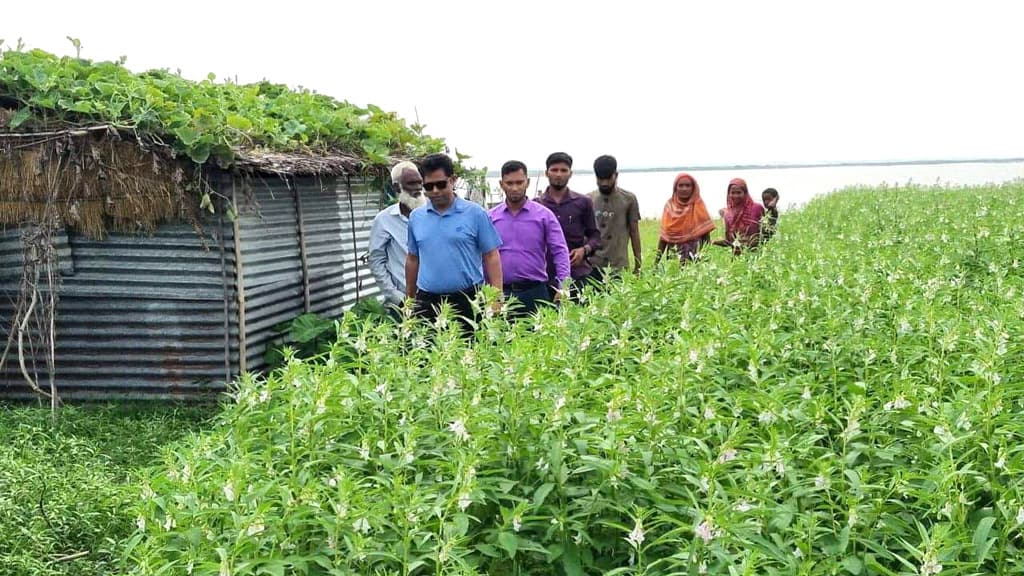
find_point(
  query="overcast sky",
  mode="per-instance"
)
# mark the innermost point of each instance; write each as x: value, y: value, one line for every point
x: 654, y: 83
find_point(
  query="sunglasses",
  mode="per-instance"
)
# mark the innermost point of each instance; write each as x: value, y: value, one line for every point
x: 429, y: 186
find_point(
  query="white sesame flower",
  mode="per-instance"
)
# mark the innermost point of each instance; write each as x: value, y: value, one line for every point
x: 458, y: 427
x: 709, y: 413
x: 727, y: 455
x: 743, y: 506
x: 767, y: 418
x: 706, y: 531
x: 636, y: 536
x: 703, y: 568
x: 963, y: 422
x: 169, y: 523
x: 852, y: 429
x: 705, y: 484
x: 613, y: 414
x: 255, y: 528
x: 264, y: 395
x: 898, y: 403
x: 517, y: 523
x: 798, y: 553
x: 332, y: 482
x: 559, y: 403
x: 943, y: 434
x: 904, y: 327
x: 361, y: 525
x: 1020, y: 515
x: 364, y: 452
x: 694, y: 356
x: 930, y: 567
x: 140, y: 522
x: 464, y: 501
x: 1001, y: 463
x: 585, y: 344
x: 807, y: 393
x: 229, y: 491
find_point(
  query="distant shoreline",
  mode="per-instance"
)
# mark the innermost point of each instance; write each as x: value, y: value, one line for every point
x: 495, y: 173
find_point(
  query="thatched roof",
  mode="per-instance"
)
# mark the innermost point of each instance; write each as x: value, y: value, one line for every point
x: 100, y: 178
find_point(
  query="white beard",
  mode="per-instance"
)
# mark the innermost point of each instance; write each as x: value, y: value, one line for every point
x: 411, y: 202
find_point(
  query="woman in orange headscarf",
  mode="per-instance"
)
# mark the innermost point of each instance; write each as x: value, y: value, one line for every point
x: 685, y: 223
x: 742, y: 217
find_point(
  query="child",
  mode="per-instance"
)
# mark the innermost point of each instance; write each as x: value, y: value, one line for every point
x: 770, y: 199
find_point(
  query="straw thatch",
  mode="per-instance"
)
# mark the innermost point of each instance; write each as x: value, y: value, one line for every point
x: 101, y: 178
x: 95, y: 180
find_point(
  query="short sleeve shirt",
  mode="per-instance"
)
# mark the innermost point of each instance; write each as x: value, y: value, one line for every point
x: 450, y: 246
x: 614, y: 214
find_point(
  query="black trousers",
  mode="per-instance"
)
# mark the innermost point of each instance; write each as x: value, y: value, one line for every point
x: 428, y: 306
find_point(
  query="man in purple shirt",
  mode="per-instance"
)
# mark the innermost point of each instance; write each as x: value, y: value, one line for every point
x: 575, y: 213
x: 531, y: 238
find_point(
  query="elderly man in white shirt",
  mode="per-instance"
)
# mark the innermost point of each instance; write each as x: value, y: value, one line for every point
x: 389, y: 234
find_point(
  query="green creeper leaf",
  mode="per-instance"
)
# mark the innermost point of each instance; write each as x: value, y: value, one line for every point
x: 200, y: 154
x: 19, y: 117
x: 239, y: 122
x: 186, y: 135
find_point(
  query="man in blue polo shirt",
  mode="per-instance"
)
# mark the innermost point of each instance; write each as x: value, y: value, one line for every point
x: 451, y: 242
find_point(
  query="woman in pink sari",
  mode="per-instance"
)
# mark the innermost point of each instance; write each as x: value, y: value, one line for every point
x: 742, y: 217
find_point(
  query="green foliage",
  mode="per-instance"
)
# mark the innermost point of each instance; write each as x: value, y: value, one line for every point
x: 201, y: 120
x: 309, y: 336
x: 843, y: 401
x: 67, y: 489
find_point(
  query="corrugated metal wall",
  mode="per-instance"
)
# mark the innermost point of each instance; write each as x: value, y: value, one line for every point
x: 139, y: 317
x: 336, y: 215
x: 157, y: 317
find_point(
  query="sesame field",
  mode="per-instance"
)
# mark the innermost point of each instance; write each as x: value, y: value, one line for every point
x: 845, y: 401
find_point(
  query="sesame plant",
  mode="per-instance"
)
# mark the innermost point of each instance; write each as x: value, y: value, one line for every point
x: 844, y: 401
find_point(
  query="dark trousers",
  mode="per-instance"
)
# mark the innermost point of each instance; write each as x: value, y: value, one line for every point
x: 530, y: 295
x: 428, y: 306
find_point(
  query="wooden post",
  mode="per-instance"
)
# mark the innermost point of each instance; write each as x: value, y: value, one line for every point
x: 227, y: 294
x: 239, y: 283
x: 352, y: 226
x: 303, y: 258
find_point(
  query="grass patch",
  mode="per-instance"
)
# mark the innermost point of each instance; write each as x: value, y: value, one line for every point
x: 67, y: 489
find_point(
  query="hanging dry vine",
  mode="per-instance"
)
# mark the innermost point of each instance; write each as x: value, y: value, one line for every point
x: 33, y: 326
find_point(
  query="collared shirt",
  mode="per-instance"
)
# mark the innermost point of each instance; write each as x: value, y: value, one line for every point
x: 451, y: 246
x: 389, y: 237
x: 575, y: 214
x: 615, y: 212
x: 529, y: 240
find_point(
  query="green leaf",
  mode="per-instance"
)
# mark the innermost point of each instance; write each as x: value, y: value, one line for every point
x: 83, y: 107
x: 186, y: 135
x: 239, y: 122
x: 509, y: 542
x: 982, y: 543
x: 461, y: 524
x: 853, y: 565
x: 199, y: 154
x: 19, y: 118
x: 542, y: 493
x: 571, y: 561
